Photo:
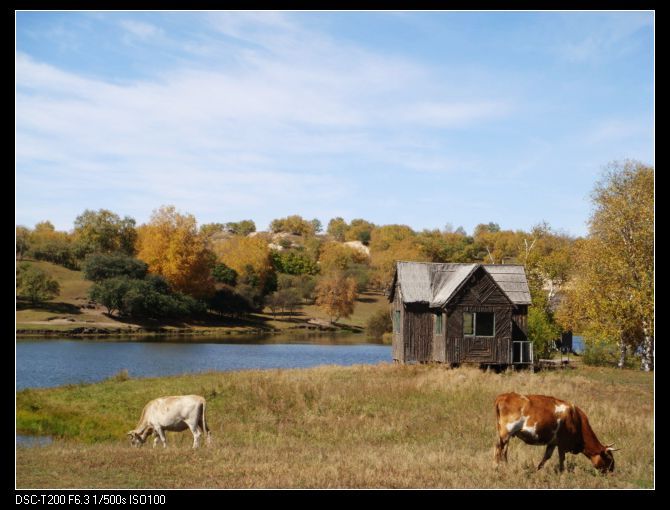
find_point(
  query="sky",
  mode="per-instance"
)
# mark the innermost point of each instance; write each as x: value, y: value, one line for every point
x: 416, y: 118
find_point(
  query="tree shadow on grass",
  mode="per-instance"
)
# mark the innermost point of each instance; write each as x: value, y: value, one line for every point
x: 51, y: 307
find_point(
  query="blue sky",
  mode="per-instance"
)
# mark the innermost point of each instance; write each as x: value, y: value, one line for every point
x: 417, y: 118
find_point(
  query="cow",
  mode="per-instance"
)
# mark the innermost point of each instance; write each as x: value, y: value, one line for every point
x: 175, y: 413
x: 545, y: 420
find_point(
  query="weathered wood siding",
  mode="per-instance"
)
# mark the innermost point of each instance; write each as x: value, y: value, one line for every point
x: 520, y: 323
x: 479, y: 294
x: 418, y: 333
x: 440, y: 339
x: 398, y: 348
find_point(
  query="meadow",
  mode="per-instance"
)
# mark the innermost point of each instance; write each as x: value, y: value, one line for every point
x: 380, y: 426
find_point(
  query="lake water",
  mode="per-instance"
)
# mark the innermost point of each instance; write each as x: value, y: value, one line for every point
x: 47, y: 363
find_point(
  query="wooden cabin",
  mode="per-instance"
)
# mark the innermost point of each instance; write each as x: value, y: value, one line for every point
x: 460, y: 313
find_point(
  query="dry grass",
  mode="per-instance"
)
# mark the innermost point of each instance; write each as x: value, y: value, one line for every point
x: 363, y: 426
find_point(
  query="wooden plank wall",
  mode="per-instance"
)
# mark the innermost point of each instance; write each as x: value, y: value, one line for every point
x: 398, y: 347
x: 440, y: 340
x: 418, y: 334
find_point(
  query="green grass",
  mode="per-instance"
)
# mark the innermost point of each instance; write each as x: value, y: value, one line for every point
x: 362, y: 426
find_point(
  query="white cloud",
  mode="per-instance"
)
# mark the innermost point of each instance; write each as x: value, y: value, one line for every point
x: 271, y: 128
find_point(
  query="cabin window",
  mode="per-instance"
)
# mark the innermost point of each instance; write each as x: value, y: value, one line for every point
x: 478, y: 324
x: 438, y: 323
x: 396, y: 321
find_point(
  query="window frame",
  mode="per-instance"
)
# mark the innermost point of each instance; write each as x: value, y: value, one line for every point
x: 438, y: 324
x: 474, y: 325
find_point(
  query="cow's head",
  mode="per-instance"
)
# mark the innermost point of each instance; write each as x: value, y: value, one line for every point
x: 136, y: 439
x: 604, y: 461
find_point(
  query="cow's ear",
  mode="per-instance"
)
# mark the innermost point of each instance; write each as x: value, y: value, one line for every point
x: 131, y: 433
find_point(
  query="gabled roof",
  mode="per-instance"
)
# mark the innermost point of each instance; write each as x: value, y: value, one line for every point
x: 436, y: 283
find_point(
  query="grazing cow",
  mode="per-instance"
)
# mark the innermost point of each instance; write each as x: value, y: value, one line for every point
x: 544, y: 420
x: 175, y: 413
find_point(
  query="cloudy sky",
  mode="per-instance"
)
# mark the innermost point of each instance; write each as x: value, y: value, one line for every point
x: 418, y: 118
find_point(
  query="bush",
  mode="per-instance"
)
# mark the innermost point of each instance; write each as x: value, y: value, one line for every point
x: 98, y: 267
x: 34, y: 284
x: 600, y: 354
x: 224, y: 274
x: 379, y: 324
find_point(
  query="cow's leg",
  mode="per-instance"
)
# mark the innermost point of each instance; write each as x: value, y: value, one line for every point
x: 561, y: 459
x: 501, y: 447
x: 155, y: 440
x: 547, y: 455
x: 195, y: 430
x: 161, y: 435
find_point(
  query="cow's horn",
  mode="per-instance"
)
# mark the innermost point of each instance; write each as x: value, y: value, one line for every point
x: 609, y: 445
x: 610, y: 449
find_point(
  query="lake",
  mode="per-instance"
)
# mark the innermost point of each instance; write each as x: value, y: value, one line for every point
x: 47, y: 363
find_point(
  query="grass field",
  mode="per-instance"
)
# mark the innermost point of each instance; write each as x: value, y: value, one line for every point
x: 361, y: 426
x: 63, y: 313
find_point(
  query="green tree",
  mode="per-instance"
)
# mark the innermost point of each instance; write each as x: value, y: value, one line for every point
x: 34, y: 284
x: 242, y: 228
x: 99, y: 266
x: 103, y: 231
x: 224, y: 274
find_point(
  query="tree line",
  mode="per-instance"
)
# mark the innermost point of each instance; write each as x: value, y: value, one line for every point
x: 601, y: 286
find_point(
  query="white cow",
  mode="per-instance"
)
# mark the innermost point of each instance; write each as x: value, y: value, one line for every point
x: 174, y: 413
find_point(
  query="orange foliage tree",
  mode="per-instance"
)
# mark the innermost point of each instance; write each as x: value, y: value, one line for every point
x: 336, y: 295
x: 172, y: 247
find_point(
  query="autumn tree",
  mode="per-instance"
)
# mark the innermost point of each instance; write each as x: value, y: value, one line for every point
x: 336, y: 295
x: 22, y: 240
x: 337, y: 228
x: 103, y: 231
x: 171, y: 246
x: 613, y: 292
x: 388, y: 244
x: 209, y: 229
x: 359, y: 230
x: 336, y: 256
x: 294, y: 224
x: 249, y: 257
x: 47, y: 243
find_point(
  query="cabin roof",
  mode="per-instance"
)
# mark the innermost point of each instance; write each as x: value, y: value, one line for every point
x: 436, y: 283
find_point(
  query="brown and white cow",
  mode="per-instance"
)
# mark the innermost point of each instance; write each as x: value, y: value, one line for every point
x: 175, y: 413
x: 544, y: 420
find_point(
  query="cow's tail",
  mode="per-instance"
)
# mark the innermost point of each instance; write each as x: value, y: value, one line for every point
x: 205, y: 430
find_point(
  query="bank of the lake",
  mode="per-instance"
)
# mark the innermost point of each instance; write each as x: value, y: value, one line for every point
x: 378, y: 425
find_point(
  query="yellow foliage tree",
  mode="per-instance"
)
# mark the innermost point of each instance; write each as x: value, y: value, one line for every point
x: 336, y: 295
x: 172, y: 247
x: 389, y: 244
x: 248, y: 256
x: 336, y: 256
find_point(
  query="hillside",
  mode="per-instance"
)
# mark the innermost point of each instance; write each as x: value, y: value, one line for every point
x: 71, y: 310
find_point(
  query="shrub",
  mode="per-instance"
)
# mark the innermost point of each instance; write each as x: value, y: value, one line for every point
x: 378, y: 324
